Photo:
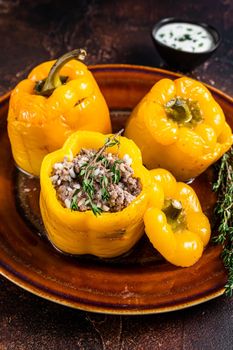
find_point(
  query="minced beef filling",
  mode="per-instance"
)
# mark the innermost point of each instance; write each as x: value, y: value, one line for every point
x: 107, y: 185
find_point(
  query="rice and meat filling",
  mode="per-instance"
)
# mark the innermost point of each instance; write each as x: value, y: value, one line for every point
x: 96, y: 181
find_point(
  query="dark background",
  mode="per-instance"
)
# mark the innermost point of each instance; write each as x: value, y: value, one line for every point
x: 112, y: 32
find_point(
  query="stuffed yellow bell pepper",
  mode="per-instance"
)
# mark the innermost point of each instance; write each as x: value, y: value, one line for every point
x: 174, y: 221
x: 79, y: 224
x: 180, y: 127
x: 55, y: 100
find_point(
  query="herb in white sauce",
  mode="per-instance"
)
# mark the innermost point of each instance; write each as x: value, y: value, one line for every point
x: 185, y: 37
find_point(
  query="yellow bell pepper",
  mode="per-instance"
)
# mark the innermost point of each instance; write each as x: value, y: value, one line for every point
x: 180, y: 127
x: 174, y: 221
x: 55, y: 100
x: 75, y: 232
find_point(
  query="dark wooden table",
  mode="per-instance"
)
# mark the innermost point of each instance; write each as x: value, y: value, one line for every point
x: 112, y: 32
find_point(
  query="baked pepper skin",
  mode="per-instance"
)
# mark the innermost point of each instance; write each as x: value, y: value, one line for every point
x: 179, y: 239
x: 106, y: 235
x: 38, y: 124
x: 184, y: 143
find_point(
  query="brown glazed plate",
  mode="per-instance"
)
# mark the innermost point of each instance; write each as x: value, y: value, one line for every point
x: 140, y: 282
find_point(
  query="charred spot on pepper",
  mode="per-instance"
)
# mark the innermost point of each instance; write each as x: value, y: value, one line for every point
x: 113, y: 235
x: 183, y: 111
x: 80, y: 101
x: 175, y: 214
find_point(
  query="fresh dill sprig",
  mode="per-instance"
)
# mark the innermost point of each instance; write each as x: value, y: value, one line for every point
x: 224, y: 213
x: 87, y: 174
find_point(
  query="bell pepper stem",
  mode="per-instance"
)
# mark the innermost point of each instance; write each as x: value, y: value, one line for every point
x: 173, y: 209
x: 183, y: 111
x: 53, y: 80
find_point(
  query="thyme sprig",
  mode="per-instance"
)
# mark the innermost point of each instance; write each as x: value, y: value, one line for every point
x: 224, y: 213
x: 87, y: 173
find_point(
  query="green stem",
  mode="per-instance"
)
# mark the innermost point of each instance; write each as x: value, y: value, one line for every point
x: 183, y: 111
x: 172, y: 209
x: 54, y: 80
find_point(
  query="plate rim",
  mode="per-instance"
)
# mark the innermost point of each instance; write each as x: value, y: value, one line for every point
x: 28, y: 286
x: 101, y: 310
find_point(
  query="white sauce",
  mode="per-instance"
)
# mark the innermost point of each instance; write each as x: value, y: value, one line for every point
x: 185, y: 37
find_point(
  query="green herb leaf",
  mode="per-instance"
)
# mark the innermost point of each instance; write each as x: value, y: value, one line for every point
x: 116, y: 172
x: 105, y: 194
x: 103, y: 160
x: 87, y: 186
x: 96, y: 210
x: 185, y: 37
x: 73, y: 204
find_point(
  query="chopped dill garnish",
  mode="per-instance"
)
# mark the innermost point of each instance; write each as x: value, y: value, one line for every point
x: 185, y: 37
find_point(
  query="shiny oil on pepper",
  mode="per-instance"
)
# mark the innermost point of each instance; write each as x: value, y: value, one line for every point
x: 174, y: 221
x: 180, y: 127
x: 109, y: 234
x: 58, y: 98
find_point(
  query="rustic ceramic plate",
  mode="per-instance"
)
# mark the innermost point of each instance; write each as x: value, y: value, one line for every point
x: 138, y: 283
